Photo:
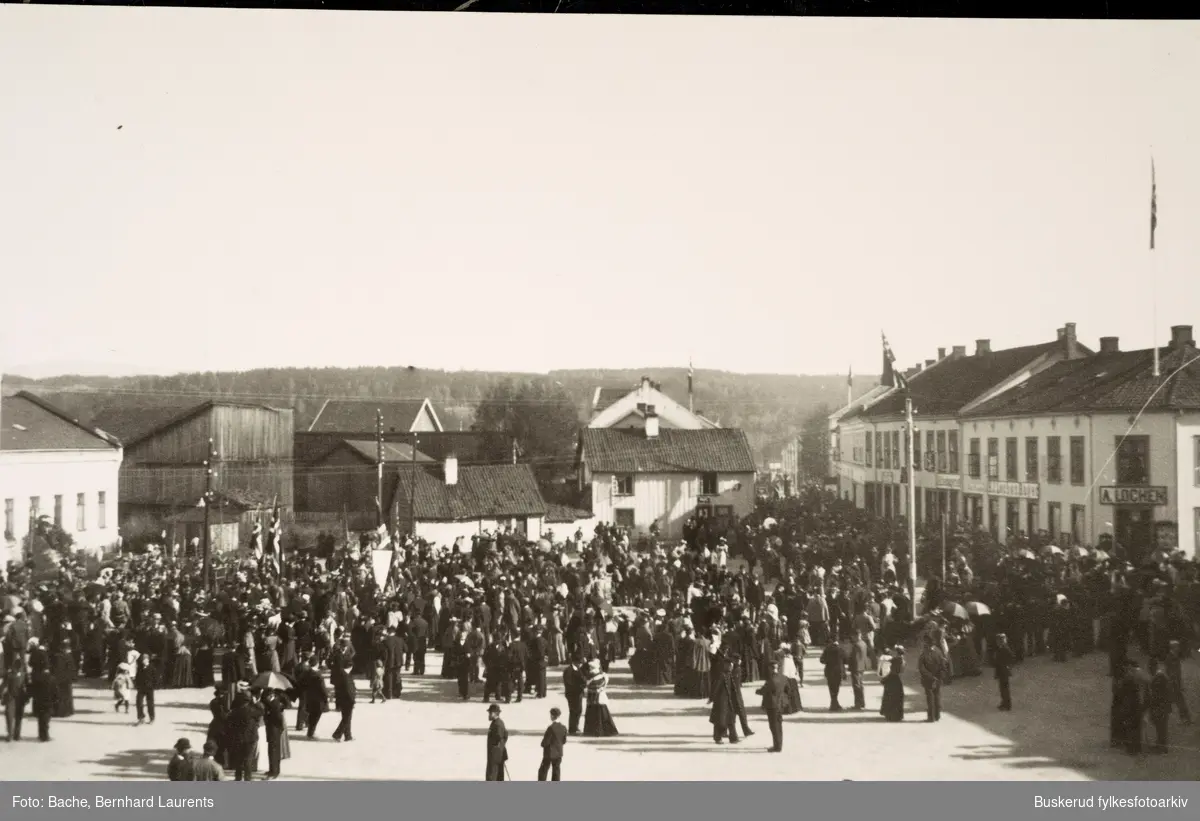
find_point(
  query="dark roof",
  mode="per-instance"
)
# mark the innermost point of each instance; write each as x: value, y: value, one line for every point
x: 31, y: 423
x: 132, y: 419
x: 945, y: 388
x: 563, y: 514
x: 1117, y: 382
x: 310, y: 447
x: 482, y: 492
x: 714, y: 450
x: 393, y: 452
x: 359, y: 415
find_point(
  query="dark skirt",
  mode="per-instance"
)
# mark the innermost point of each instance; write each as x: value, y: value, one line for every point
x: 892, y: 707
x: 793, y: 703
x: 64, y: 701
x: 598, y: 722
x: 181, y: 671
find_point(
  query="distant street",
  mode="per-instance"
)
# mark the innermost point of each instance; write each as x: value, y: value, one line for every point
x: 1057, y: 731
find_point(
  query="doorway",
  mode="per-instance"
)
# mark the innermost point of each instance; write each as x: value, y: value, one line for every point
x: 1133, y: 528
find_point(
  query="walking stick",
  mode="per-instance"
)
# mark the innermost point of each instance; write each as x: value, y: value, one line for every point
x: 507, y: 774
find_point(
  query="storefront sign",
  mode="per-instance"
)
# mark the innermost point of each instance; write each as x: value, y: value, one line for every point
x: 1141, y: 496
x: 1019, y: 490
x: 974, y: 486
x: 947, y: 482
x: 886, y: 476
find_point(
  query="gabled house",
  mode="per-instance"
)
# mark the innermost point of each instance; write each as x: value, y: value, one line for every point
x: 628, y: 408
x: 52, y: 465
x: 344, y: 480
x: 359, y: 416
x: 642, y: 476
x: 448, y: 501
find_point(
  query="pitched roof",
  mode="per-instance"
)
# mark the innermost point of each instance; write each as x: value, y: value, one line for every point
x: 131, y: 419
x: 359, y: 415
x: 607, y: 396
x: 950, y: 384
x: 563, y: 514
x: 1117, y: 382
x: 712, y: 450
x: 31, y: 423
x: 393, y: 452
x: 482, y: 492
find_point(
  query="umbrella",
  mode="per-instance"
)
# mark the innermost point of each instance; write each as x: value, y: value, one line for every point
x: 1052, y: 550
x: 1025, y: 554
x: 544, y: 545
x: 1101, y: 556
x: 769, y: 522
x: 266, y: 680
x: 955, y: 611
x: 1079, y: 552
x: 976, y: 608
x: 463, y: 580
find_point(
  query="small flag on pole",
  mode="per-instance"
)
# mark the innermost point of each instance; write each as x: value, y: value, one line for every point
x: 1153, y: 204
x: 850, y: 378
x: 892, y: 376
x: 691, y: 373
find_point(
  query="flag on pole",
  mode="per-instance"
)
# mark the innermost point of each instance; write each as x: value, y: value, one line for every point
x: 273, y: 541
x: 850, y: 378
x: 1153, y: 204
x: 691, y: 373
x: 892, y: 376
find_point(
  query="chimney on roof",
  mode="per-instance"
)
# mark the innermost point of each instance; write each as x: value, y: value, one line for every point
x: 651, y: 424
x: 960, y: 350
x: 1181, y: 336
x: 1062, y: 332
x: 929, y: 362
x: 1070, y: 346
x: 451, y: 470
x: 941, y: 354
x: 1110, y: 344
x: 983, y: 346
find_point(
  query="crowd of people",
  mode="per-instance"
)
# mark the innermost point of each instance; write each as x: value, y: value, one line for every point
x: 810, y: 578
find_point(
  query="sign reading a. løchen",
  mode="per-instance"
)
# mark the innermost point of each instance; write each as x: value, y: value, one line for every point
x: 1141, y: 495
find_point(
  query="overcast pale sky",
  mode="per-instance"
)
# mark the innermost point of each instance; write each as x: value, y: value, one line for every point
x: 537, y: 192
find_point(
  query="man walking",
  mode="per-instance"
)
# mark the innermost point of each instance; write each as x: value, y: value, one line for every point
x: 345, y: 693
x: 14, y: 695
x: 1174, y: 671
x: 497, y: 745
x: 552, y: 748
x: 835, y: 673
x: 859, y: 661
x: 932, y: 668
x: 418, y: 633
x: 1159, y: 705
x: 575, y: 683
x: 774, y: 694
x: 1002, y: 660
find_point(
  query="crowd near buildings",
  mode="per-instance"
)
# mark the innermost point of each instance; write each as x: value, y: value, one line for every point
x: 1076, y: 445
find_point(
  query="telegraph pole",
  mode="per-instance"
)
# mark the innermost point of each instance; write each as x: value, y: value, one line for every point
x: 912, y: 504
x: 412, y: 498
x: 208, y: 502
x: 378, y: 467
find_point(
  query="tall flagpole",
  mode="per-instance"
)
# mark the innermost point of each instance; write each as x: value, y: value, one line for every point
x: 912, y: 504
x: 1153, y: 266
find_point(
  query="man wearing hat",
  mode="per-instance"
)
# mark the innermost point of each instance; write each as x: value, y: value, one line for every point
x: 180, y: 766
x: 1002, y: 660
x: 1172, y: 665
x: 497, y: 745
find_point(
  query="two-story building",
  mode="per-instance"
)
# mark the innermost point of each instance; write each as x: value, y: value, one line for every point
x: 1104, y: 446
x: 53, y: 466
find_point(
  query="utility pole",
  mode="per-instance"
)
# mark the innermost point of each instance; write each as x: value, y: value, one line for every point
x: 412, y: 498
x: 209, y: 473
x: 912, y: 504
x: 945, y: 516
x: 378, y: 467
x: 514, y: 451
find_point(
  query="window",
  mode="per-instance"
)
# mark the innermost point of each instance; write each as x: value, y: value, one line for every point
x: 708, y: 485
x: 870, y: 452
x: 1031, y: 461
x: 9, y: 518
x: 931, y: 505
x: 624, y: 485
x: 993, y: 459
x: 1010, y: 459
x: 930, y: 452
x: 35, y: 507
x: 941, y: 451
x: 1012, y: 517
x: 624, y: 516
x: 58, y: 511
x: 1031, y: 517
x: 80, y: 512
x: 994, y: 517
x: 1077, y: 460
x: 1196, y: 529
x: 1053, y: 518
x: 1196, y: 465
x: 917, y: 509
x: 973, y: 459
x: 102, y: 510
x: 896, y: 449
x: 1133, y: 460
x: 955, y: 465
x: 917, y: 459
x: 1053, y: 463
x: 1077, y: 524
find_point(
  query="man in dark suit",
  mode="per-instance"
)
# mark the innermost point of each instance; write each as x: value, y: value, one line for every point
x: 575, y: 683
x: 206, y: 768
x: 497, y: 745
x: 418, y: 635
x: 345, y: 693
x: 932, y: 668
x: 314, y: 700
x: 835, y: 672
x: 241, y: 735
x: 1002, y: 660
x: 859, y: 662
x: 41, y: 693
x: 518, y: 662
x: 13, y: 695
x: 774, y: 694
x: 552, y: 748
x: 393, y: 662
x: 1159, y: 705
x: 539, y: 650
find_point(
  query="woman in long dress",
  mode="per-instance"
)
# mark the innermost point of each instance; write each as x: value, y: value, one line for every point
x: 64, y: 671
x: 787, y: 669
x: 892, y: 707
x: 271, y: 653
x: 181, y: 661
x: 554, y: 638
x: 275, y: 731
x: 597, y: 720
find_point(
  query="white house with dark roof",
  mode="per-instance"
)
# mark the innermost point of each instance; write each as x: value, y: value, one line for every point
x: 642, y: 476
x: 628, y: 408
x: 53, y: 466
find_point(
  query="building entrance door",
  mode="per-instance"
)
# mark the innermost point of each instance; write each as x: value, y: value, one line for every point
x: 1134, y: 530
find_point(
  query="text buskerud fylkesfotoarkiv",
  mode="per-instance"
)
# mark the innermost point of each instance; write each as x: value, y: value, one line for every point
x: 1111, y: 802
x: 56, y: 802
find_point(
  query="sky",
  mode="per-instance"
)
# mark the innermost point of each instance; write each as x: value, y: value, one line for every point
x: 201, y: 189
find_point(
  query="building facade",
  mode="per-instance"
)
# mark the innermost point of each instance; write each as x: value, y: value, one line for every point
x: 52, y: 466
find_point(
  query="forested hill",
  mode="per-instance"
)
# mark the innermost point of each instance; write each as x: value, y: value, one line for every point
x: 771, y: 408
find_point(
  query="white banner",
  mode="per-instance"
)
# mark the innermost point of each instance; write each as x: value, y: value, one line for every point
x: 381, y: 565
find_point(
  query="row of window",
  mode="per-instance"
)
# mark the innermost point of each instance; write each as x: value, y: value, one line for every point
x: 623, y: 484
x: 35, y: 512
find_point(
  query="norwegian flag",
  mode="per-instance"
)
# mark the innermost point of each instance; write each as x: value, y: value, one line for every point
x: 892, y: 376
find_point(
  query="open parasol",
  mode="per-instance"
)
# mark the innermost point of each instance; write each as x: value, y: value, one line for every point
x: 769, y: 522
x: 266, y: 680
x: 978, y: 608
x: 465, y: 580
x: 1080, y: 552
x: 1052, y: 550
x: 955, y: 611
x: 1025, y: 553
